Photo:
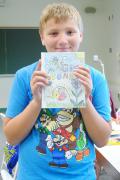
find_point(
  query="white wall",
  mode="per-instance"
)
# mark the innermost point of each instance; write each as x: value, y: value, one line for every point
x: 25, y: 13
x: 112, y: 40
x: 100, y: 33
x: 5, y: 85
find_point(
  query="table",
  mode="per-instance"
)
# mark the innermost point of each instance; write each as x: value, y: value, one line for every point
x: 108, y: 158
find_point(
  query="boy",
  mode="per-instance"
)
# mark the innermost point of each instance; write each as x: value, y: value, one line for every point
x: 49, y: 150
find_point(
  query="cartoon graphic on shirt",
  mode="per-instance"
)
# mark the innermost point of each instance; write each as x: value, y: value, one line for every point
x: 63, y: 134
x: 81, y: 144
x: 45, y: 118
x: 59, y: 148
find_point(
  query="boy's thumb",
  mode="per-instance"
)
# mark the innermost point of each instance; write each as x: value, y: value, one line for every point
x: 38, y: 66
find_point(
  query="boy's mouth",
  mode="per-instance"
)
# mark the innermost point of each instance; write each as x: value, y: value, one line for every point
x: 62, y: 49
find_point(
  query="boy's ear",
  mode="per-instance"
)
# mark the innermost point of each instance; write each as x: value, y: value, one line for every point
x: 42, y: 39
x: 81, y: 36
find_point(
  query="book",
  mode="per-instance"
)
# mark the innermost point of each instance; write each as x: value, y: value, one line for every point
x: 115, y: 135
x: 64, y: 89
x: 114, y: 138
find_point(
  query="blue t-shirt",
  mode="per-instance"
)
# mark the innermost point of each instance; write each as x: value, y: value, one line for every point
x: 58, y: 146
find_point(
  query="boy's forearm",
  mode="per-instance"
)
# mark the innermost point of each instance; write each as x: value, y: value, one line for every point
x: 98, y: 129
x: 18, y: 128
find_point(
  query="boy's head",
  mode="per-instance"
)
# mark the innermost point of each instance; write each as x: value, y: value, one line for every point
x: 61, y: 28
x: 60, y: 12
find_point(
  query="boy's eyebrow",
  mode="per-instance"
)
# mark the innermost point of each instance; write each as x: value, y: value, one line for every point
x: 67, y: 28
x: 53, y: 29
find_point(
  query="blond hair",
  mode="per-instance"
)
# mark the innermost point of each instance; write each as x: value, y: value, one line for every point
x: 60, y: 12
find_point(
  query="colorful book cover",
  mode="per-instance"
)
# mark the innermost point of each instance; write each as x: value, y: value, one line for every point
x: 64, y: 90
x: 114, y: 138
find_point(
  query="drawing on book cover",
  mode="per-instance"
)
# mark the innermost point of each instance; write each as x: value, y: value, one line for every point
x: 64, y: 90
x: 114, y: 138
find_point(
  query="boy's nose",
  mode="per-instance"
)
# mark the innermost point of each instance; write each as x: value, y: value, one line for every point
x: 63, y: 39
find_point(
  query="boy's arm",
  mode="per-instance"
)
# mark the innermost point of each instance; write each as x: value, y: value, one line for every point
x: 18, y: 128
x: 98, y: 129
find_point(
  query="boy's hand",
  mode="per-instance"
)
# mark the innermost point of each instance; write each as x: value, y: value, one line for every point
x: 38, y: 81
x: 83, y: 74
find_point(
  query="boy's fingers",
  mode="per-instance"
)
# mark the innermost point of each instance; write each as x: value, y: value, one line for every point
x: 38, y: 66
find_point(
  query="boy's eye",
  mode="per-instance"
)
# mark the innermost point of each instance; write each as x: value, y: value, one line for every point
x: 69, y: 32
x: 53, y: 33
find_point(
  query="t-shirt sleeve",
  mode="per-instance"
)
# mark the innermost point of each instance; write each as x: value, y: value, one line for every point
x: 101, y: 97
x: 18, y: 98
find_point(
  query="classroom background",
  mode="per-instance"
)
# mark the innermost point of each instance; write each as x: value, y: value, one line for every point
x: 19, y: 39
x: 20, y: 44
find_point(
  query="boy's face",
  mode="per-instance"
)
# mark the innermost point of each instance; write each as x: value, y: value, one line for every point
x: 61, y: 36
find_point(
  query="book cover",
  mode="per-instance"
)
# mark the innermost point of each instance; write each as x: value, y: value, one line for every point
x: 115, y: 135
x: 114, y: 138
x: 64, y: 90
